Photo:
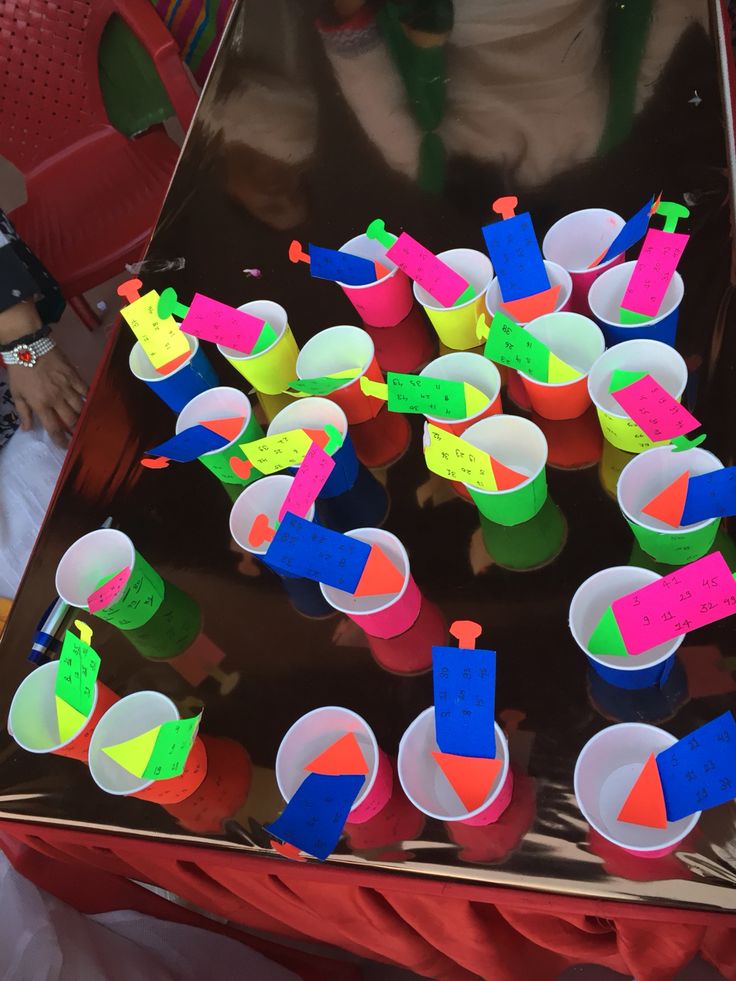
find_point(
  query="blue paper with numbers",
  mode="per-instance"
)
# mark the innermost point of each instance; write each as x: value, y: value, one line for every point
x: 710, y: 495
x: 315, y: 816
x: 633, y: 231
x: 189, y: 444
x: 301, y: 548
x: 342, y: 267
x: 464, y: 700
x: 516, y: 257
x: 699, y: 771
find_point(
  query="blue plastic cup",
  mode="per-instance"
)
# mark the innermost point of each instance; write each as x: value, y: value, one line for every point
x: 194, y: 376
x: 604, y: 300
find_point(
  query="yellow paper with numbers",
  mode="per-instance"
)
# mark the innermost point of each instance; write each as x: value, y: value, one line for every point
x: 160, y: 337
x: 454, y: 458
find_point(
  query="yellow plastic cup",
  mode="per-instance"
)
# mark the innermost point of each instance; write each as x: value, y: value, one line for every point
x: 271, y: 370
x: 456, y: 326
x: 660, y: 361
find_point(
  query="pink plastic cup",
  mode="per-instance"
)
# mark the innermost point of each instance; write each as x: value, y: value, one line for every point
x: 385, y: 302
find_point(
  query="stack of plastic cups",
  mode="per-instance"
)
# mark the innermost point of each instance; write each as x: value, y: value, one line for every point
x: 191, y: 378
x: 520, y: 445
x: 271, y: 370
x: 351, y: 494
x: 389, y: 615
x: 606, y: 770
x: 315, y: 732
x: 158, y: 618
x: 456, y: 326
x: 646, y: 476
x: 591, y: 600
x: 429, y: 790
x: 223, y: 403
x: 266, y: 497
x: 386, y: 302
x: 379, y: 436
x: 665, y: 366
x: 33, y: 721
x: 578, y: 342
x: 578, y: 239
x: 131, y: 717
x: 605, y: 298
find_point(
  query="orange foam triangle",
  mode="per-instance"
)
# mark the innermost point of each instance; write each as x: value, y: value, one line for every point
x: 170, y: 366
x: 229, y: 429
x: 529, y: 307
x: 471, y: 777
x: 344, y: 756
x: 379, y: 575
x: 670, y: 503
x: 645, y: 803
x: 506, y: 478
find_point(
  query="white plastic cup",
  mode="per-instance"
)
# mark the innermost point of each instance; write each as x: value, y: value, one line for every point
x: 193, y: 376
x: 557, y: 277
x: 646, y: 476
x: 222, y: 403
x: 312, y: 734
x: 463, y: 366
x: 456, y: 326
x: 605, y: 298
x: 428, y: 788
x: 265, y: 496
x: 96, y: 556
x: 270, y: 370
x: 662, y: 362
x: 590, y: 602
x: 337, y: 349
x: 605, y: 772
x: 384, y: 615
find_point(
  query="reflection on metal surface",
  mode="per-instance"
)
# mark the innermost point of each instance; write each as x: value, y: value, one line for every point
x: 309, y: 129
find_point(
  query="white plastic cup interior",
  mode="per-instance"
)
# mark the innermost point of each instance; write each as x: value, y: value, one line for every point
x: 357, y: 605
x: 336, y: 349
x: 216, y: 403
x: 575, y: 339
x: 423, y: 781
x: 557, y: 277
x: 311, y: 735
x: 592, y: 599
x: 309, y: 413
x: 605, y: 772
x: 515, y: 442
x: 98, y: 555
x: 264, y: 496
x: 268, y: 311
x: 576, y: 240
x: 464, y: 366
x: 475, y: 267
x: 659, y: 360
x: 32, y: 720
x: 142, y: 368
x: 368, y: 248
x: 607, y: 292
x: 647, y: 475
x: 126, y: 719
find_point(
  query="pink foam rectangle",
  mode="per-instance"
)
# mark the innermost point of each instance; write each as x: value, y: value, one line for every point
x: 210, y: 320
x: 108, y: 592
x: 653, y: 271
x: 309, y: 480
x: 654, y: 410
x: 432, y: 274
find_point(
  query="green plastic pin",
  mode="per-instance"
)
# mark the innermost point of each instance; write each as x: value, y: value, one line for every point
x: 377, y: 231
x: 671, y: 211
x: 168, y: 304
x: 606, y: 638
x: 680, y: 443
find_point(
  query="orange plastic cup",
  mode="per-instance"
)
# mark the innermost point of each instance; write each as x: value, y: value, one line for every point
x: 337, y: 349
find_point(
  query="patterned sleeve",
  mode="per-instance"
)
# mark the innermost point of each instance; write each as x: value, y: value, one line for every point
x: 23, y: 276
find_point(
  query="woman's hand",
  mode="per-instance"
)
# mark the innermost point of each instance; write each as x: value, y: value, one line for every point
x: 51, y: 390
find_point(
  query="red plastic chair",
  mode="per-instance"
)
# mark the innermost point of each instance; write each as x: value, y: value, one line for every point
x: 93, y: 194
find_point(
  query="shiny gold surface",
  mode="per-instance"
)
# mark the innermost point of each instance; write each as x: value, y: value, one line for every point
x: 297, y: 137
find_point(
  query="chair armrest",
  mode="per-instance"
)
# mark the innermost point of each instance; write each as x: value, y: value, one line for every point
x: 147, y: 26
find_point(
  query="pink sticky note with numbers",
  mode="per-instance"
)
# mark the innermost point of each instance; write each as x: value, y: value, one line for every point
x: 695, y: 595
x: 653, y: 271
x: 210, y: 320
x: 108, y: 591
x: 654, y: 410
x: 423, y: 266
x: 309, y: 480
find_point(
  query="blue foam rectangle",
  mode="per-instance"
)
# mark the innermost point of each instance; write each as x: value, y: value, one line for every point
x: 516, y: 257
x: 189, y: 444
x: 301, y: 548
x: 699, y: 771
x: 315, y: 816
x: 633, y: 231
x: 710, y: 495
x: 341, y: 267
x: 464, y: 700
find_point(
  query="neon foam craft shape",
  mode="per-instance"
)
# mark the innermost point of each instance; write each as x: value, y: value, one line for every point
x: 343, y: 756
x: 189, y: 444
x: 314, y: 818
x: 76, y: 676
x: 464, y: 700
x: 309, y: 480
x: 324, y: 385
x: 654, y: 410
x: 668, y: 505
x: 633, y: 231
x: 435, y: 276
x: 652, y: 274
x: 423, y: 395
x: 340, y: 267
x: 509, y: 344
x: 699, y: 771
x: 644, y: 804
x: 162, y: 341
x: 108, y: 592
x: 454, y: 458
x: 471, y: 778
x: 710, y: 495
x: 281, y: 450
x: 517, y: 259
x: 210, y: 320
x: 158, y: 754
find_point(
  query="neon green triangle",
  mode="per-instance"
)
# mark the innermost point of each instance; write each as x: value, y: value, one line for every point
x: 632, y: 317
x: 69, y: 720
x: 559, y: 371
x: 620, y: 378
x: 606, y: 638
x: 134, y: 754
x: 475, y: 400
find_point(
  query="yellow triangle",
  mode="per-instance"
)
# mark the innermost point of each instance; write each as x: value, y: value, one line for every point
x: 558, y: 371
x: 376, y: 389
x: 134, y: 754
x: 345, y: 373
x: 475, y: 400
x: 84, y: 631
x: 482, y: 329
x: 69, y: 720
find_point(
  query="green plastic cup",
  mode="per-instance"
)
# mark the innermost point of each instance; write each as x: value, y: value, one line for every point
x: 223, y: 403
x: 647, y: 475
x: 721, y: 543
x: 521, y: 446
x: 531, y: 545
x: 171, y: 630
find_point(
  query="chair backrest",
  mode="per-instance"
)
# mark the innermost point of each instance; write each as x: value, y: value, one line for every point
x: 49, y: 87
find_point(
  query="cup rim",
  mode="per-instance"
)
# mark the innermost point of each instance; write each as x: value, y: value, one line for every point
x: 533, y: 476
x: 99, y: 533
x: 354, y: 533
x: 584, y: 374
x: 246, y: 419
x: 438, y: 308
x: 36, y: 675
x: 364, y: 286
x: 476, y: 417
x: 230, y: 354
x: 620, y: 414
x: 193, y: 349
x: 653, y: 321
x: 566, y: 290
x: 250, y: 549
x: 582, y: 211
x: 362, y: 371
